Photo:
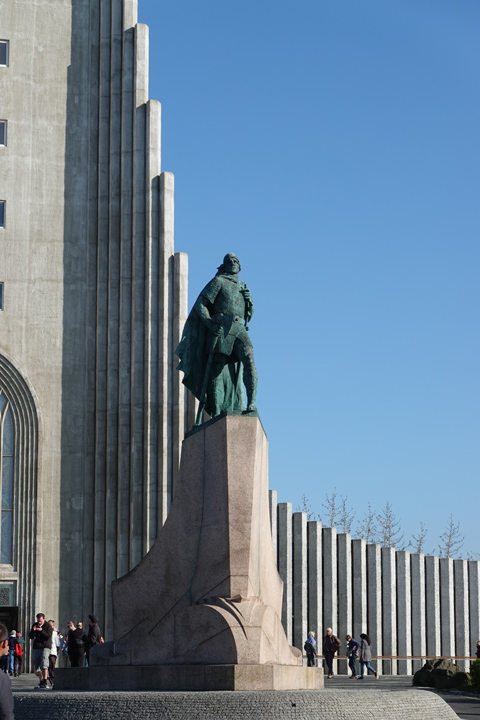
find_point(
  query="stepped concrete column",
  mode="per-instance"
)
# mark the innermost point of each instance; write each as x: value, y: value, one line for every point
x: 462, y: 625
x: 404, y: 611
x: 419, y: 617
x: 389, y: 606
x: 432, y: 604
x: 315, y: 583
x: 474, y: 603
x: 447, y: 606
x: 284, y: 561
x: 299, y: 579
x: 359, y: 564
x: 374, y: 610
x: 345, y: 612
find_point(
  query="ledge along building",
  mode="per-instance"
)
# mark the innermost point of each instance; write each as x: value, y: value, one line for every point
x: 93, y: 300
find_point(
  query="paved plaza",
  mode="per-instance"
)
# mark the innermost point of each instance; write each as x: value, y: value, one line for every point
x: 467, y: 708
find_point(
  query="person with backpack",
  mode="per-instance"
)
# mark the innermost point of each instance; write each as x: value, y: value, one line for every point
x: 310, y: 649
x: 331, y: 644
x: 352, y: 654
x: 19, y: 653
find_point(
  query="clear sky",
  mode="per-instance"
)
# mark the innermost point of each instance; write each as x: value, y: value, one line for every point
x: 334, y: 146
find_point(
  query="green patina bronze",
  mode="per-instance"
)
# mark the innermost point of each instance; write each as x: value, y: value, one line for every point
x: 216, y: 352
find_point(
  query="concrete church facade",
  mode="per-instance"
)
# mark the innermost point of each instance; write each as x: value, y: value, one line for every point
x: 93, y: 301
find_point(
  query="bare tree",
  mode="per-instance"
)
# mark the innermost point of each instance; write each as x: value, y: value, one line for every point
x: 366, y: 527
x: 473, y: 556
x: 389, y: 531
x: 346, y: 517
x: 306, y: 508
x: 417, y: 543
x: 331, y: 509
x: 451, y: 540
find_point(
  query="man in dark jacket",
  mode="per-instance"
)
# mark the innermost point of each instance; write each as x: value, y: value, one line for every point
x: 94, y: 634
x: 41, y: 634
x: 77, y: 642
x: 331, y: 643
x: 6, y: 697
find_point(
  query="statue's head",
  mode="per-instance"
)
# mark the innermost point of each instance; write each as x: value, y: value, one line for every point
x: 230, y: 265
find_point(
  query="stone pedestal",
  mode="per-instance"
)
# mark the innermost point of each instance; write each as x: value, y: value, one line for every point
x: 208, y: 593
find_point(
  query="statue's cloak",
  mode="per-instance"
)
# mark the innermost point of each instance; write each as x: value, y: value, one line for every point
x: 193, y: 351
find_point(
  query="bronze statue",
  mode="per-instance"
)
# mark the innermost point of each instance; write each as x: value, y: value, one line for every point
x: 216, y: 352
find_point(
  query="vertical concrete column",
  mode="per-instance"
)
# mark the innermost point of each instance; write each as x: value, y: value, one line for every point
x: 462, y: 625
x: 404, y: 611
x: 315, y: 584
x: 447, y: 606
x: 359, y: 586
x: 180, y: 398
x: 299, y: 579
x: 374, y: 595
x: 272, y: 501
x: 130, y: 9
x: 419, y: 615
x: 345, y: 614
x: 151, y: 365
x: 432, y: 604
x: 474, y: 603
x: 166, y: 227
x: 330, y: 594
x: 141, y: 63
x: 389, y: 606
x: 284, y: 520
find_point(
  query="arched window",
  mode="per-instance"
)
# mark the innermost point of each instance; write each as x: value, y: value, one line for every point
x: 6, y: 481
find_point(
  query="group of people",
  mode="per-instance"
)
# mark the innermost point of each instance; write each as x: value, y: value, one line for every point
x: 355, y: 651
x: 48, y: 642
x: 12, y: 662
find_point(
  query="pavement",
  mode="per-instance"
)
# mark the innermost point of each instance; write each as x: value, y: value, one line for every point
x: 465, y: 706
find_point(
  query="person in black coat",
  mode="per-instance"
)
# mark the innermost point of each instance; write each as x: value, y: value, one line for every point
x: 331, y: 644
x: 77, y: 644
x: 94, y: 634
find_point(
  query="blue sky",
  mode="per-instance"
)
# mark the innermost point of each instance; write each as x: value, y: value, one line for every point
x: 335, y: 147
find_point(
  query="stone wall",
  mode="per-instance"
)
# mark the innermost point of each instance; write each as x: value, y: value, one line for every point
x: 408, y: 603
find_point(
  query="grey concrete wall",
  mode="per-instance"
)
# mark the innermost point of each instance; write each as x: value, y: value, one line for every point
x: 409, y: 604
x: 95, y: 296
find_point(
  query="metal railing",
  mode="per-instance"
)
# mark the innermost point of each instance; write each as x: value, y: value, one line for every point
x: 392, y: 658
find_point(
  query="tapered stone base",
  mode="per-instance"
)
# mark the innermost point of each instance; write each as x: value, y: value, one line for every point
x: 190, y: 678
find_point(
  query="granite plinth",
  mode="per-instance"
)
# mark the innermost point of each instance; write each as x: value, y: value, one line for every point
x: 208, y: 592
x: 191, y: 678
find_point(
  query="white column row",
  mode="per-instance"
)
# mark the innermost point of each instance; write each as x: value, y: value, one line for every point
x: 409, y: 604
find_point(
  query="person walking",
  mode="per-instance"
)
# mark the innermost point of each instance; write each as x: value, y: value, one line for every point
x: 52, y: 661
x: 41, y: 634
x: 331, y: 644
x: 352, y: 654
x: 12, y: 641
x: 310, y: 649
x: 366, y: 656
x: 19, y: 653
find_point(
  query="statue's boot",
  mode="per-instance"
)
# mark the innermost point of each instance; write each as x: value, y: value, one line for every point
x: 250, y: 378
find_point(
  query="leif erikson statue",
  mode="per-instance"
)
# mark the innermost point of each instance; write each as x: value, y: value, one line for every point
x: 216, y: 352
